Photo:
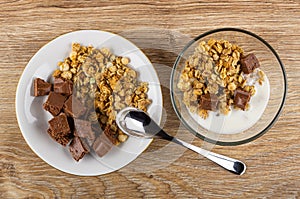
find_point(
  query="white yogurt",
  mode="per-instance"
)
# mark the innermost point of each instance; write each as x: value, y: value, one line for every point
x: 237, y: 120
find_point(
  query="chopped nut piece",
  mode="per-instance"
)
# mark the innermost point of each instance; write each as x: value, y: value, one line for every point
x: 231, y: 86
x: 67, y: 75
x: 125, y: 60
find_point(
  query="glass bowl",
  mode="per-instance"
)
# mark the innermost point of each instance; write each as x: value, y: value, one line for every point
x: 273, y: 68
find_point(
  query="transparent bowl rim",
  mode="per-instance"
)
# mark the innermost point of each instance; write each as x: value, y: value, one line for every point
x: 228, y: 29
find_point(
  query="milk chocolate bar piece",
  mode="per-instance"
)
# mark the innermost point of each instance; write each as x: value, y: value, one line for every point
x: 83, y: 129
x: 64, y: 87
x: 241, y: 98
x: 209, y: 102
x: 63, y: 140
x: 59, y: 125
x: 59, y: 129
x: 54, y: 103
x: 73, y: 107
x: 78, y: 148
x: 102, y: 145
x: 41, y: 87
x: 249, y: 63
x: 111, y: 135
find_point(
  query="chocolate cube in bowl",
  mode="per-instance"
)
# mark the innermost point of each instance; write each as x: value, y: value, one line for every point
x: 209, y: 102
x: 241, y: 98
x: 41, y: 87
x: 249, y: 63
x: 54, y: 103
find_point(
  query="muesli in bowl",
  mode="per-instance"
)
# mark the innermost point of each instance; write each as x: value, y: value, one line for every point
x: 222, y: 86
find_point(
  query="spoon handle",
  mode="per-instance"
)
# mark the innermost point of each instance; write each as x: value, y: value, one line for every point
x: 230, y: 164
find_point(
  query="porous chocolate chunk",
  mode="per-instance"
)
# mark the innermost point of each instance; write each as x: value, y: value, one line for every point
x: 209, y: 102
x: 241, y: 98
x: 73, y: 107
x: 64, y: 87
x: 78, y: 148
x: 59, y: 125
x: 102, y: 145
x: 83, y: 129
x: 41, y: 87
x: 54, y: 103
x: 249, y: 63
x: 63, y: 140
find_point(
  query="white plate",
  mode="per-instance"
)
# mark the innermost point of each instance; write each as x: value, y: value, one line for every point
x: 33, y: 119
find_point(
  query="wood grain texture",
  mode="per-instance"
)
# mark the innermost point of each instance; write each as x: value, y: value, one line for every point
x: 273, y: 160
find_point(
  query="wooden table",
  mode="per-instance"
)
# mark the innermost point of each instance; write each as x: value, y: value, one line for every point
x: 273, y: 160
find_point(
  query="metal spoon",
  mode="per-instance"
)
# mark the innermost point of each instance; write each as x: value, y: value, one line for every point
x: 135, y: 122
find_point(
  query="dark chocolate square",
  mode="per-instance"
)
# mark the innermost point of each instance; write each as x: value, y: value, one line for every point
x: 54, y: 103
x: 41, y: 87
x: 241, y: 98
x: 78, y: 148
x: 209, y: 102
x: 249, y: 63
x: 64, y: 87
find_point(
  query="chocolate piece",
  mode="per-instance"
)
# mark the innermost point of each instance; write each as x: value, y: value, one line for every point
x: 97, y: 128
x: 59, y: 125
x: 111, y: 135
x: 64, y: 87
x: 63, y: 140
x: 71, y: 124
x: 78, y: 148
x: 249, y: 63
x: 241, y: 98
x: 59, y: 129
x: 102, y: 145
x: 209, y: 102
x: 73, y: 107
x: 83, y: 129
x: 41, y: 87
x: 54, y: 103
